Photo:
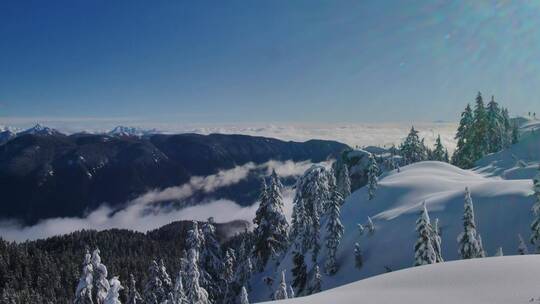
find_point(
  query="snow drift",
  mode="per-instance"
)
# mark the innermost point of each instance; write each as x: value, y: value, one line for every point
x: 504, y: 280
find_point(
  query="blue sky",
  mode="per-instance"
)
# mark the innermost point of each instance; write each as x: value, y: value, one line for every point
x: 265, y: 61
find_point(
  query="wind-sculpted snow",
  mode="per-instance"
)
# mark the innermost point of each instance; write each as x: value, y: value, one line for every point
x: 498, y: 280
x: 502, y: 210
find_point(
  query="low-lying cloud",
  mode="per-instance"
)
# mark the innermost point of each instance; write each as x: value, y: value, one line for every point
x: 143, y: 214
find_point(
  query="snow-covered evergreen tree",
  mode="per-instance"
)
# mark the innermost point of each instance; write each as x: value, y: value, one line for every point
x: 535, y: 226
x: 468, y: 242
x: 299, y: 272
x: 281, y: 291
x: 195, y: 294
x: 522, y: 247
x: 424, y: 253
x: 495, y: 127
x: 463, y: 155
x: 481, y: 245
x: 165, y: 278
x: 370, y: 226
x: 413, y: 149
x: 195, y: 239
x: 291, y: 293
x: 211, y: 261
x: 439, y: 152
x: 83, y: 294
x: 179, y: 295
x: 113, y: 295
x: 372, y: 176
x: 358, y: 257
x: 133, y: 297
x: 271, y: 232
x: 153, y: 290
x: 437, y: 242
x: 101, y: 283
x: 312, y: 196
x: 334, y: 228
x: 244, y: 296
x: 480, y: 141
x: 343, y: 181
x: 316, y: 281
x: 499, y: 252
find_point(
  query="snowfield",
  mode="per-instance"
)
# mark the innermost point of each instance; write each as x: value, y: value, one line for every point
x: 504, y: 280
x: 502, y: 210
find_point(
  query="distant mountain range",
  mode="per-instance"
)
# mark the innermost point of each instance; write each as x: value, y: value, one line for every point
x: 45, y: 174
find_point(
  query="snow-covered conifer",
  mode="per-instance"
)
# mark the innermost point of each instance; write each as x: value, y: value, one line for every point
x: 463, y: 155
x: 535, y: 226
x: 83, y: 294
x: 290, y: 291
x: 281, y: 291
x: 195, y: 294
x: 468, y: 242
x: 271, y: 233
x: 195, y: 238
x: 316, y: 281
x: 437, y: 242
x: 133, y: 297
x: 373, y: 176
x: 299, y: 272
x: 101, y: 283
x: 211, y: 261
x: 522, y: 247
x: 370, y: 226
x: 334, y: 229
x: 413, y: 149
x: 164, y: 277
x: 343, y: 181
x: 229, y: 266
x: 499, y: 252
x: 482, y: 253
x: 358, y: 257
x: 114, y: 292
x: 244, y: 296
x: 153, y: 290
x: 179, y: 295
x: 495, y: 127
x: 312, y: 196
x: 439, y: 152
x: 424, y: 253
x: 480, y: 141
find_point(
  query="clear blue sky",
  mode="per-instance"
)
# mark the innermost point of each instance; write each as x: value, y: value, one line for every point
x: 266, y: 61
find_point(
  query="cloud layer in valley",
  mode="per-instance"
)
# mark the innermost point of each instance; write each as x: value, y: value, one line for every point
x: 142, y: 214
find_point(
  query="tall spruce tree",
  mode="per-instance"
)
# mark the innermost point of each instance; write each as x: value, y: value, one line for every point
x: 211, y: 261
x: 179, y: 295
x: 133, y: 296
x: 195, y: 294
x: 312, y: 196
x: 495, y: 127
x: 154, y: 292
x: 343, y: 180
x: 271, y: 233
x: 522, y: 247
x: 373, y: 176
x: 334, y: 228
x: 413, y: 149
x: 535, y: 225
x: 480, y: 141
x: 424, y: 253
x: 437, y: 242
x: 83, y: 294
x: 101, y: 283
x: 463, y: 155
x: 468, y: 241
x: 244, y: 296
x: 439, y: 152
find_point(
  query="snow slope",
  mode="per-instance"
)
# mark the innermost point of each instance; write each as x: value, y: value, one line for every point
x: 502, y: 210
x: 521, y: 160
x: 504, y: 280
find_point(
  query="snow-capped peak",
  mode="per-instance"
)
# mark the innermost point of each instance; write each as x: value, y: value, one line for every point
x: 130, y: 131
x: 39, y: 129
